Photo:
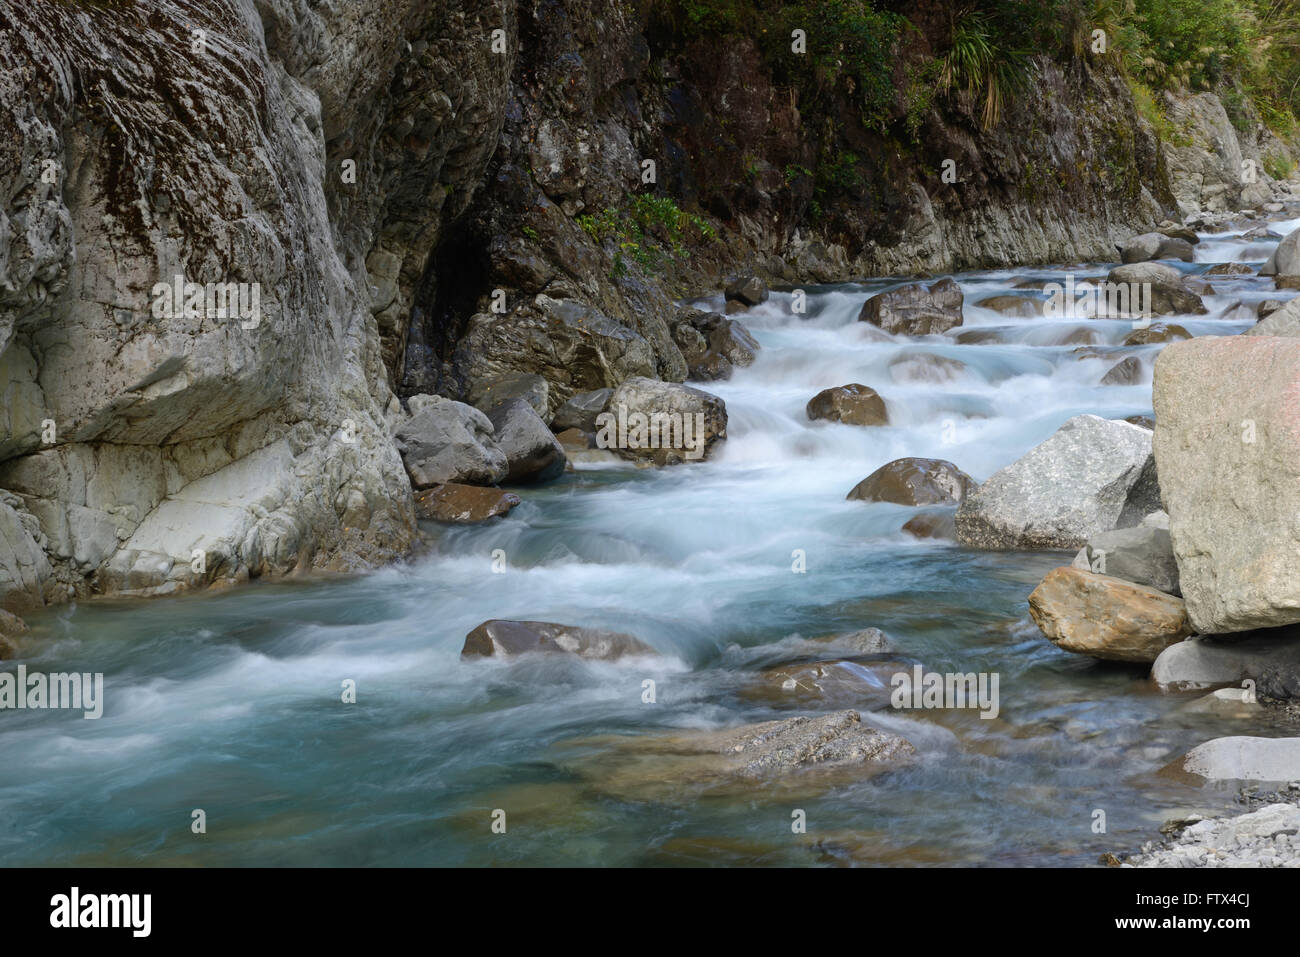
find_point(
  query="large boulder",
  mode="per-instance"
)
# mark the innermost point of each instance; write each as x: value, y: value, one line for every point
x: 852, y: 404
x: 662, y: 422
x: 1150, y: 246
x: 25, y: 573
x: 504, y: 639
x: 1285, y: 261
x: 914, y: 481
x: 746, y: 290
x: 1239, y: 758
x: 1071, y: 487
x: 1106, y: 617
x: 528, y: 386
x: 1142, y: 554
x: 447, y: 441
x: 916, y: 309
x: 1227, y: 445
x: 532, y: 452
x: 1270, y: 658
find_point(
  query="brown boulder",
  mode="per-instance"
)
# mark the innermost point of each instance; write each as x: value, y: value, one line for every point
x: 1156, y: 332
x: 916, y: 309
x: 852, y: 404
x: 932, y: 525
x: 1105, y: 617
x: 914, y: 481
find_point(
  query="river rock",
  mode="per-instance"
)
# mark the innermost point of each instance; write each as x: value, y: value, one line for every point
x: 463, y: 504
x: 1069, y: 488
x: 937, y: 524
x: 1270, y: 658
x: 861, y: 683
x: 11, y: 626
x: 925, y: 367
x: 581, y: 410
x: 1239, y: 758
x: 1023, y: 307
x: 1269, y: 306
x: 25, y: 573
x: 1156, y: 332
x: 1149, y: 246
x: 1142, y: 554
x: 1262, y: 838
x: 1229, y: 269
x: 916, y: 309
x: 852, y: 404
x: 747, y: 290
x: 914, y: 481
x: 446, y: 441
x: 1128, y: 372
x: 503, y: 639
x: 712, y: 345
x: 1283, y: 322
x: 532, y: 453
x: 1227, y: 444
x: 1285, y: 261
x: 528, y: 386
x: 670, y: 417
x: 1106, y: 617
x: 1170, y: 292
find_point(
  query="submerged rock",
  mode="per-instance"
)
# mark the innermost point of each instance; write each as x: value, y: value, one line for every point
x: 861, y: 683
x: 852, y: 404
x: 914, y: 481
x: 1025, y: 307
x: 445, y: 441
x: 463, y: 504
x: 1062, y: 492
x: 932, y: 525
x: 503, y: 639
x: 916, y: 309
x: 1106, y: 617
x: 1227, y: 442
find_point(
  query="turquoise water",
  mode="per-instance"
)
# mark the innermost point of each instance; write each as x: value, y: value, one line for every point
x: 231, y: 702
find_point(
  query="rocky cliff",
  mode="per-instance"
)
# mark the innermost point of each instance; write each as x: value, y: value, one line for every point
x: 236, y: 234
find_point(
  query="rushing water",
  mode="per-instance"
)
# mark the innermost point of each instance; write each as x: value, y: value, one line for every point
x: 231, y: 702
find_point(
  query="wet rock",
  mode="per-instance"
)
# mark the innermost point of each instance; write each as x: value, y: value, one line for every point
x: 748, y: 290
x: 661, y: 422
x: 532, y: 453
x: 1270, y: 658
x: 861, y: 683
x: 914, y: 481
x: 712, y: 345
x: 1062, y: 492
x: 1106, y: 617
x: 926, y: 367
x: 445, y: 441
x: 942, y: 525
x: 575, y: 439
x: 1149, y: 246
x: 503, y: 639
x: 1156, y: 332
x: 1128, y: 372
x: 1262, y: 838
x: 1239, y: 758
x: 581, y: 410
x: 1142, y: 554
x: 463, y: 504
x: 1227, y: 443
x: 680, y: 765
x: 916, y: 309
x: 1229, y: 269
x: 1285, y: 261
x: 527, y: 386
x: 1170, y: 292
x: 852, y: 404
x: 1021, y: 306
x: 1238, y: 703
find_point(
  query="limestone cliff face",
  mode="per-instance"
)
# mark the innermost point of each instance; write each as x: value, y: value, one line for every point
x: 405, y: 187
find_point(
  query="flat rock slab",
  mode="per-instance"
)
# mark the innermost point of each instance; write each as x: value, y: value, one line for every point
x: 1227, y: 447
x: 463, y: 504
x: 1106, y: 617
x: 1239, y: 758
x: 503, y: 638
